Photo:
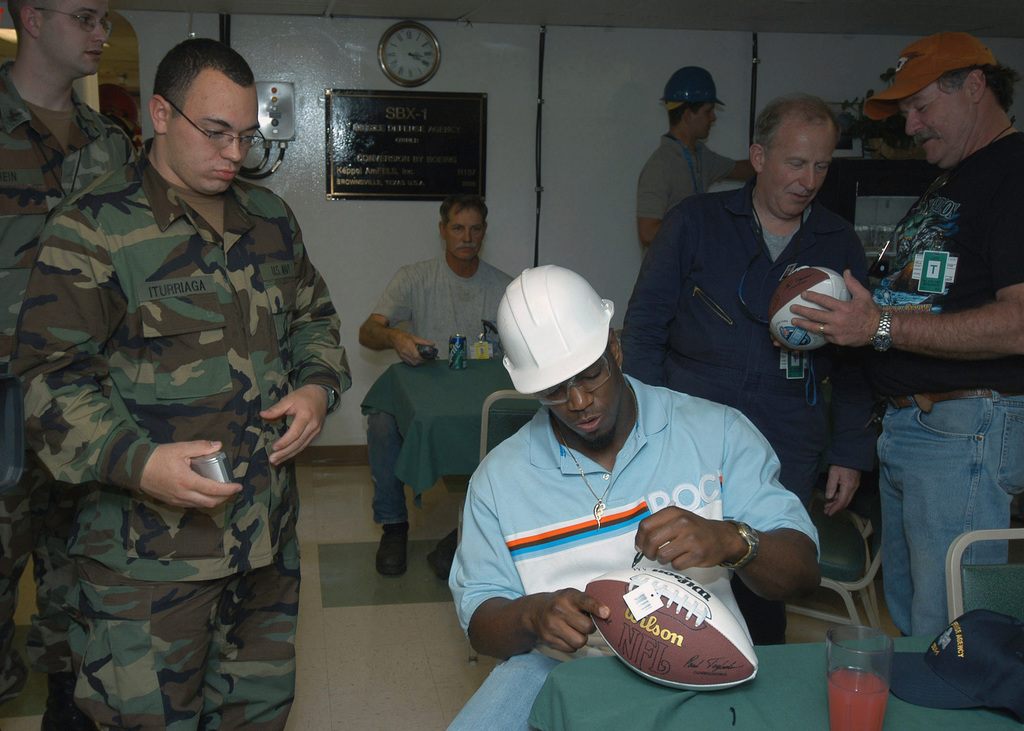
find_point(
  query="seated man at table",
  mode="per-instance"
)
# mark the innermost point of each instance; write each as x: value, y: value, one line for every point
x: 555, y: 506
x: 440, y: 297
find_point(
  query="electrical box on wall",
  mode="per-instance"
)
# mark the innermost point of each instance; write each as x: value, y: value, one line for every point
x: 276, y: 109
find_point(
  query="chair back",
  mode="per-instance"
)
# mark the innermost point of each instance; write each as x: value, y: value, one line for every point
x: 999, y: 587
x: 12, y: 432
x: 504, y: 413
x: 849, y: 557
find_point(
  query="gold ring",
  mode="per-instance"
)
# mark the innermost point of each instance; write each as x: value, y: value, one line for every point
x: 821, y: 328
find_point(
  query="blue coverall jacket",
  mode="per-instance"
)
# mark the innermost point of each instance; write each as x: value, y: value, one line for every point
x: 686, y: 328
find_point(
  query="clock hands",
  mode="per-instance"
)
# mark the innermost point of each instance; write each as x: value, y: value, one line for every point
x: 408, y: 53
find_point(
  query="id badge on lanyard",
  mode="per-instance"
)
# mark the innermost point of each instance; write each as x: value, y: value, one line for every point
x: 793, y: 362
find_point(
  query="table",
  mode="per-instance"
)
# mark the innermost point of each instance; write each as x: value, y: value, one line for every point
x: 438, y: 414
x: 789, y: 692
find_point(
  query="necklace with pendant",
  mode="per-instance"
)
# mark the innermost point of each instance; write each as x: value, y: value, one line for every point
x: 599, y: 506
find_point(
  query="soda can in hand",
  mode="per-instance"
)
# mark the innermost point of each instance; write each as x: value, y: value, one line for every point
x: 212, y: 467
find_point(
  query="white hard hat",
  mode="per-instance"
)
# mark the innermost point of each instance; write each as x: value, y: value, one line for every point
x: 552, y: 326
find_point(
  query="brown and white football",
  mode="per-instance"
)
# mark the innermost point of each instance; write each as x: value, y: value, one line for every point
x: 790, y: 292
x: 692, y: 641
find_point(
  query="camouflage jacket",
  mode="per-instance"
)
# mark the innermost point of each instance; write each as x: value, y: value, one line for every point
x: 35, y: 175
x: 142, y: 326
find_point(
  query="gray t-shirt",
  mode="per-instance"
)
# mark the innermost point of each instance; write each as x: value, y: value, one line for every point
x: 438, y: 303
x: 666, y: 178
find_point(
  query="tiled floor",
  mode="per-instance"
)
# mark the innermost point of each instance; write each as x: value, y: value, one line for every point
x: 373, y: 653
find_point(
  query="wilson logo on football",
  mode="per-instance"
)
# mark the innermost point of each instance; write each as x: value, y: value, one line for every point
x: 650, y: 624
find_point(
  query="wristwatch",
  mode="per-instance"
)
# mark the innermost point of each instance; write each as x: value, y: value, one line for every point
x: 753, y: 541
x: 332, y: 398
x: 882, y: 339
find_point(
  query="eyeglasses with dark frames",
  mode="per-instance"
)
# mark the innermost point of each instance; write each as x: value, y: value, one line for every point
x: 588, y: 381
x: 88, y: 21
x: 221, y: 140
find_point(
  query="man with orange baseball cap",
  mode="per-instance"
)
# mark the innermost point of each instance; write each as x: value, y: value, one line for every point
x: 947, y: 324
x: 923, y: 62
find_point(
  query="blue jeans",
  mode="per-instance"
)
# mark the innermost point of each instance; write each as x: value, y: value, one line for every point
x: 504, y: 700
x: 943, y: 473
x: 383, y: 443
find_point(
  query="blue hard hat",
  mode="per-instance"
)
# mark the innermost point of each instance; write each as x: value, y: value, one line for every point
x: 690, y: 84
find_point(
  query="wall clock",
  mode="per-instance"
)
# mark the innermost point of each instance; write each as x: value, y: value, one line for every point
x: 408, y: 53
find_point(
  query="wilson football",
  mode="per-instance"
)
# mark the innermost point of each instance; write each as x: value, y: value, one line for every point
x: 789, y: 291
x: 690, y: 640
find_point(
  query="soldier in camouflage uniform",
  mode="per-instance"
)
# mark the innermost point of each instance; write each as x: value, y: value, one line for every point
x: 51, y: 145
x: 172, y: 312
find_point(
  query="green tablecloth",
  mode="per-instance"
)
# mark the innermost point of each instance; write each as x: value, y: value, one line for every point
x: 438, y: 414
x: 789, y: 692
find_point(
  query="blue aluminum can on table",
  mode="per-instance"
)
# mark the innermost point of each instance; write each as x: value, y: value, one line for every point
x: 457, y: 352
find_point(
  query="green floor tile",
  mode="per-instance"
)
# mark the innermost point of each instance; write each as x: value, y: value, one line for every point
x: 32, y: 700
x: 348, y: 577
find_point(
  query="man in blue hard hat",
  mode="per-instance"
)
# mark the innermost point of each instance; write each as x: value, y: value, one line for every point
x: 683, y: 165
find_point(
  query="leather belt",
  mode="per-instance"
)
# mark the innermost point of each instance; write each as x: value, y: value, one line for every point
x: 925, y: 401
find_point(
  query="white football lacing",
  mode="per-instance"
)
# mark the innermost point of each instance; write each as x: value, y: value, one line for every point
x: 675, y: 594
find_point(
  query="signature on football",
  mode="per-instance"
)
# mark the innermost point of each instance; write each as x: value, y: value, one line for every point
x: 711, y: 665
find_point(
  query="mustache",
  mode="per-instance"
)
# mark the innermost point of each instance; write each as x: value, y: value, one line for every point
x: 921, y: 137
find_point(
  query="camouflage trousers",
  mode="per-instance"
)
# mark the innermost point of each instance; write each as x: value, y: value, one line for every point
x: 36, y: 516
x: 178, y: 655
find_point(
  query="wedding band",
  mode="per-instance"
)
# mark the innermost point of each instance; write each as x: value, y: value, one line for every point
x: 821, y: 328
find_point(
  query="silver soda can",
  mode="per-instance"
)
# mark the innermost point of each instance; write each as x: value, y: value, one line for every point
x: 212, y: 467
x: 457, y: 352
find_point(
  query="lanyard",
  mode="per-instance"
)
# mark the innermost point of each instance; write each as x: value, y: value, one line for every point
x: 797, y: 236
x: 689, y: 161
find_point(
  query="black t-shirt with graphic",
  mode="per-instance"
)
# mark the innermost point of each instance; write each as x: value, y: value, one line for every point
x: 953, y: 251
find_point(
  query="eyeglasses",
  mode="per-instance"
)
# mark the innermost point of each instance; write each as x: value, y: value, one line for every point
x: 88, y: 21
x: 221, y: 140
x: 588, y: 381
x: 739, y: 295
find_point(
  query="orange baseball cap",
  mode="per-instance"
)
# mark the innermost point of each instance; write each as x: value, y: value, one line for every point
x: 922, y: 62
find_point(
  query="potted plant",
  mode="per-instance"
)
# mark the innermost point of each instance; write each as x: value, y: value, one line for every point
x: 881, y: 137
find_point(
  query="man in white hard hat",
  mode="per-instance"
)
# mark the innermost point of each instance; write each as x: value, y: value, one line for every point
x: 683, y: 165
x: 608, y: 467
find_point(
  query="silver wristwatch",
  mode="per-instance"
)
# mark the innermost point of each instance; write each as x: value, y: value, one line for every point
x: 332, y: 398
x: 882, y: 339
x: 753, y: 541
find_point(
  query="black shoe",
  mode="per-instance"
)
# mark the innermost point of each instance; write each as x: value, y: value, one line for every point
x: 440, y: 559
x: 392, y: 549
x: 61, y: 712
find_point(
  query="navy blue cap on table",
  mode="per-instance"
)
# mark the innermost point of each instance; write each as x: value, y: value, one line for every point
x: 977, y: 662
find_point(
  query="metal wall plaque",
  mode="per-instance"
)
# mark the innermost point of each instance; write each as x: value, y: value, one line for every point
x: 405, y: 145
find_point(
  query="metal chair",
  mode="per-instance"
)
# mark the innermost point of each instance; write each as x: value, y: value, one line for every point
x: 850, y: 557
x: 12, y: 431
x: 999, y: 587
x: 500, y: 420
x: 503, y: 414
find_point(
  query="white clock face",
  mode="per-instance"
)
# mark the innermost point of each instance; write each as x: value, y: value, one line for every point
x: 409, y: 54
